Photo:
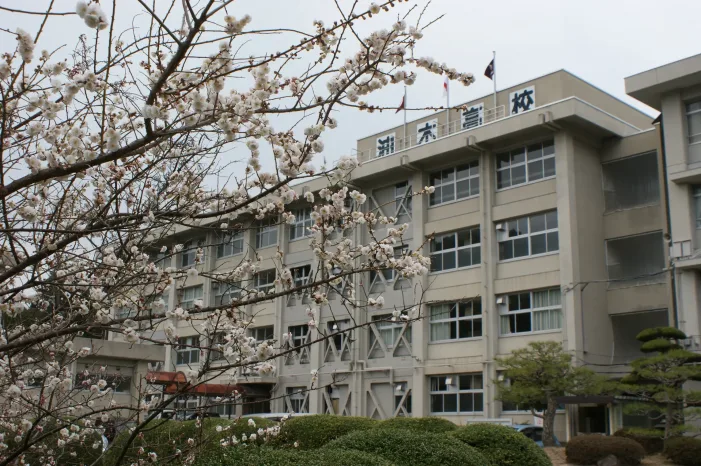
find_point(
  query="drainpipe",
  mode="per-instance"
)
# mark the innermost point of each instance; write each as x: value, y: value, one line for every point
x: 675, y: 311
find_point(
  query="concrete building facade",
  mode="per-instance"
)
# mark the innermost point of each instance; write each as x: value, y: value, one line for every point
x: 542, y: 207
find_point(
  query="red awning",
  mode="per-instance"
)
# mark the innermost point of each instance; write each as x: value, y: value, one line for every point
x: 173, y: 382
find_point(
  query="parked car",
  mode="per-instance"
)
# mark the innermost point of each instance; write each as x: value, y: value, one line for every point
x: 534, y: 433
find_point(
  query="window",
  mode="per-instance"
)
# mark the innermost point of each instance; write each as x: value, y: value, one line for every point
x: 631, y: 182
x: 456, y: 321
x: 389, y: 330
x: 119, y: 383
x: 528, y: 236
x: 402, y: 399
x: 693, y: 121
x: 224, y: 293
x: 402, y: 202
x: 526, y: 164
x: 190, y: 251
x: 262, y: 334
x: 124, y: 312
x: 301, y: 275
x: 531, y: 311
x: 300, y: 227
x: 297, y: 399
x: 217, y: 342
x: 455, y: 183
x: 231, y: 245
x: 188, y: 351
x: 376, y: 283
x: 459, y: 393
x: 190, y: 295
x: 336, y: 328
x: 639, y: 259
x: 298, y: 335
x: 456, y: 250
x: 264, y: 281
x: 266, y: 234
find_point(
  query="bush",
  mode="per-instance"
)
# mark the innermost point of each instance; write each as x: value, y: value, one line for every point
x: 650, y: 439
x: 684, y: 451
x: 407, y: 448
x: 316, y: 431
x: 270, y: 457
x: 588, y: 449
x: 418, y: 424
x: 165, y: 437
x: 502, y: 445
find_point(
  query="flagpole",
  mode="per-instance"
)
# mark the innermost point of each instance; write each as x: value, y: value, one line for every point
x: 447, y: 108
x: 494, y: 79
x: 406, y: 143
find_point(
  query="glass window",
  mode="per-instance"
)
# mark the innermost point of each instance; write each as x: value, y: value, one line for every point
x: 402, y: 202
x: 190, y: 295
x: 297, y: 399
x: 389, y: 331
x: 402, y: 392
x: 230, y: 245
x: 455, y: 321
x: 298, y: 335
x: 526, y: 164
x: 264, y: 281
x: 528, y: 236
x: 693, y: 121
x: 697, y: 205
x: 192, y: 253
x: 456, y: 250
x: 301, y: 275
x: 300, y: 227
x: 626, y: 263
x: 266, y: 234
x: 224, y: 293
x: 531, y: 311
x: 456, y: 393
x: 262, y: 334
x: 455, y: 183
x: 188, y: 351
x: 631, y: 182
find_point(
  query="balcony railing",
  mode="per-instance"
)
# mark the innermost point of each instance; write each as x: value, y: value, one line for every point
x: 444, y: 130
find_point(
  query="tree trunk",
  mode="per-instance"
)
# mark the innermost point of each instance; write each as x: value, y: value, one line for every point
x: 549, y: 422
x: 668, y: 420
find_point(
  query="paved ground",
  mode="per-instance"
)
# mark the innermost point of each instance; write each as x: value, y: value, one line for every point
x: 557, y: 455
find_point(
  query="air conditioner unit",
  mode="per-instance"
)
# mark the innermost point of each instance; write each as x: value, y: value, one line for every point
x: 501, y: 227
x: 500, y: 300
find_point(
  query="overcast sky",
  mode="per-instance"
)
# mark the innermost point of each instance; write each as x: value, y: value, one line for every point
x: 601, y: 41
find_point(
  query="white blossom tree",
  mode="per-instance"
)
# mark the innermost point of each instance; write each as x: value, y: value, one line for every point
x: 109, y: 149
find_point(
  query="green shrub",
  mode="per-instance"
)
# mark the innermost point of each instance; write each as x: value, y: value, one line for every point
x: 316, y: 431
x: 166, y: 437
x: 407, y: 448
x: 588, y: 449
x: 684, y: 451
x: 253, y: 456
x: 418, y: 424
x: 660, y: 332
x: 502, y: 445
x: 650, y: 439
x: 658, y: 345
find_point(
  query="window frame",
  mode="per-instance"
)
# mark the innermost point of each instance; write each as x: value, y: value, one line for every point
x: 696, y: 195
x: 525, y: 150
x: 228, y: 241
x: 605, y: 182
x: 453, y: 173
x: 455, y: 321
x: 402, y: 200
x: 265, y: 288
x: 188, y: 350
x: 190, y: 248
x: 303, y: 221
x: 297, y: 341
x: 254, y: 332
x: 504, y: 311
x: 384, y: 322
x: 456, y: 249
x: 233, y: 291
x: 456, y: 379
x: 267, y: 229
x: 299, y: 395
x: 528, y: 235
x: 194, y: 298
x: 687, y: 114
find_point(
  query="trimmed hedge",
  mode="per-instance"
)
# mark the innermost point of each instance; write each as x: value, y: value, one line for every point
x: 315, y: 431
x: 650, y: 439
x: 418, y: 424
x: 265, y: 456
x: 502, y: 445
x: 684, y: 451
x: 588, y: 449
x: 407, y: 448
x: 165, y: 437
